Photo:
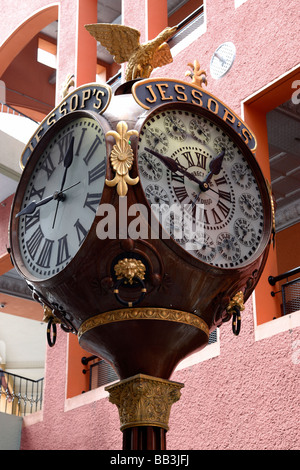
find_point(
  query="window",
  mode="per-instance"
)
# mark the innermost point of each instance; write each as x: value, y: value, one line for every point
x: 274, y: 115
x: 46, y: 53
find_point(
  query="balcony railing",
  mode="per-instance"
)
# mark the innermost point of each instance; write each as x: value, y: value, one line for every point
x: 187, y: 26
x: 290, y: 290
x: 19, y: 395
x: 5, y: 108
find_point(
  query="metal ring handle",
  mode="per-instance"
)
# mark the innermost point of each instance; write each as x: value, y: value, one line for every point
x: 236, y: 320
x: 134, y: 302
x: 51, y: 341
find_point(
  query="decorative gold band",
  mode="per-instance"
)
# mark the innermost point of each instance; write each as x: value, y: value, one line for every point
x: 143, y: 400
x: 143, y: 314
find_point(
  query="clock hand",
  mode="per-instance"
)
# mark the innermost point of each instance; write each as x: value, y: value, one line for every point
x: 176, y: 127
x: 34, y: 204
x: 67, y: 163
x: 215, y: 168
x: 173, y: 166
x: 150, y: 164
x: 156, y: 139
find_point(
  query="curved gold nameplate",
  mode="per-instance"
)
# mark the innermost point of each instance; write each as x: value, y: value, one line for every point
x: 143, y: 314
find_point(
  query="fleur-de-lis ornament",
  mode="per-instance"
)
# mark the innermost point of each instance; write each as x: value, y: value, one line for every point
x: 197, y: 74
x: 121, y: 158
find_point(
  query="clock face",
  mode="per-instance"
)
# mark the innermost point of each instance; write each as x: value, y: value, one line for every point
x: 62, y: 195
x: 202, y: 187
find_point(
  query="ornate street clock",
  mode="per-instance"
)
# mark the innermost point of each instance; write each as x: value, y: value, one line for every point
x: 141, y: 222
x: 205, y: 186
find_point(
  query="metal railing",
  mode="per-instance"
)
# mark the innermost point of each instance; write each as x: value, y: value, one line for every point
x: 290, y: 290
x: 187, y: 26
x: 6, y: 108
x: 101, y: 373
x: 19, y: 395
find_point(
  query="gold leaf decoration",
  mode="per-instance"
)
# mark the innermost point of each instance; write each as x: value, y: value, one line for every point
x: 143, y: 400
x: 236, y: 301
x: 197, y: 75
x: 121, y: 158
x: 129, y: 268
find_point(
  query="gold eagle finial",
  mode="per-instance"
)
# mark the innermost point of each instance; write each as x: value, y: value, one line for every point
x: 123, y: 43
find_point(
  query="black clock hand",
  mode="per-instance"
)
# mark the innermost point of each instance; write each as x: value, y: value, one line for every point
x: 176, y: 127
x: 173, y: 166
x: 34, y: 204
x: 215, y: 167
x: 67, y: 163
x: 156, y: 139
x: 150, y: 164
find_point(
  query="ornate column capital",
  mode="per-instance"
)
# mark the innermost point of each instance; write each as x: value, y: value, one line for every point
x: 143, y: 400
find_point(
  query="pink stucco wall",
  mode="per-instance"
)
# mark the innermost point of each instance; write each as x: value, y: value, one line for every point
x: 245, y: 398
x: 248, y: 396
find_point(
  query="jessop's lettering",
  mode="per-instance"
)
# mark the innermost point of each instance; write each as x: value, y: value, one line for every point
x: 151, y: 93
x: 92, y: 97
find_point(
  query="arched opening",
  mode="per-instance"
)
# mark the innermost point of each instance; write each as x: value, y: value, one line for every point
x: 30, y: 88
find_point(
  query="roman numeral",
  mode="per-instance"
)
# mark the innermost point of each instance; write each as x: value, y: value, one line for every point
x: 181, y: 193
x: 45, y: 255
x: 221, y: 180
x: 224, y: 209
x: 97, y: 172
x: 189, y: 158
x: 63, y: 250
x: 92, y: 150
x: 201, y: 160
x: 92, y: 201
x: 201, y: 214
x: 178, y: 178
x: 37, y: 192
x: 217, y: 218
x: 48, y: 166
x: 34, y: 242
x: 225, y: 195
x: 84, y: 129
x: 81, y: 231
x: 31, y: 220
x: 63, y: 145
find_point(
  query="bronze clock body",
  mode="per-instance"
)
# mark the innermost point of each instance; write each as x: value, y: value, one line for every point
x: 152, y: 319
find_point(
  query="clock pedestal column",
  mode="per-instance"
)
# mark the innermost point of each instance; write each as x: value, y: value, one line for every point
x: 144, y: 403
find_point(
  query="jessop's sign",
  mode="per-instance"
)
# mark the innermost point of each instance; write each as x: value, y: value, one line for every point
x: 91, y: 97
x: 151, y: 93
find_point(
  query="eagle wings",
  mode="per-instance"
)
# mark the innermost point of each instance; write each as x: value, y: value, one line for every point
x: 123, y: 43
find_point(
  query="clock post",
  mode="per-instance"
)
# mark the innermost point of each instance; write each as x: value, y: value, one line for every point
x: 160, y: 228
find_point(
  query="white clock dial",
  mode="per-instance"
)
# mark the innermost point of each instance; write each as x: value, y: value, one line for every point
x: 64, y: 191
x: 208, y: 182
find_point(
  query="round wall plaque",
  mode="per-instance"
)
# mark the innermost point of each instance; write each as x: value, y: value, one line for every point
x: 222, y: 60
